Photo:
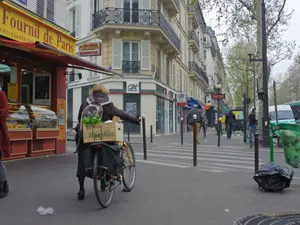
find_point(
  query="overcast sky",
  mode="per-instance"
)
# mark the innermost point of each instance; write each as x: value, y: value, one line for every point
x: 292, y: 34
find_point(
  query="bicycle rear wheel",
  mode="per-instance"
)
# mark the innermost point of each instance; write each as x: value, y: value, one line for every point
x: 103, y: 184
x: 129, y: 167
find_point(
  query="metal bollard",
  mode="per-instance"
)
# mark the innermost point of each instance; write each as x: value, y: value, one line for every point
x: 181, y: 130
x: 194, y: 140
x: 151, y: 134
x: 219, y: 132
x: 144, y: 136
x: 256, y: 156
x: 128, y: 132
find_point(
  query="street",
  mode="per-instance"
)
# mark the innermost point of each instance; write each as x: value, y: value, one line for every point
x: 168, y: 189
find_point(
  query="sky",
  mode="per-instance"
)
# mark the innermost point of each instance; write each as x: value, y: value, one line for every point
x: 293, y: 33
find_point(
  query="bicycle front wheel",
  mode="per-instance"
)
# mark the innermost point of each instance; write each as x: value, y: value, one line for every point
x: 103, y: 183
x: 129, y: 170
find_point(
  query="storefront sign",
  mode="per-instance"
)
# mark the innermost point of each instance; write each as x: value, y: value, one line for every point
x: 132, y: 87
x: 90, y: 49
x: 181, y: 99
x: 218, y: 96
x: 61, y: 114
x: 20, y: 26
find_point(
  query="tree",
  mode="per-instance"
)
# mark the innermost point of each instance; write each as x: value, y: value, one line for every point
x: 289, y: 88
x: 241, y: 17
x: 240, y: 74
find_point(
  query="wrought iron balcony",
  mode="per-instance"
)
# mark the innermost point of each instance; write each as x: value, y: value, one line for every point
x: 131, y: 66
x: 193, y: 67
x: 196, y: 13
x: 136, y: 17
x: 194, y: 41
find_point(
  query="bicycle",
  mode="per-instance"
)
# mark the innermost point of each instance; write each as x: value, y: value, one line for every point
x: 106, y: 182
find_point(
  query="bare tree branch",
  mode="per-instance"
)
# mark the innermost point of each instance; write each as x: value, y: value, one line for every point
x: 278, y: 18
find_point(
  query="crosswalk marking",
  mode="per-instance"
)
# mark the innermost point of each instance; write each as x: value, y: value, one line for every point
x: 209, y: 158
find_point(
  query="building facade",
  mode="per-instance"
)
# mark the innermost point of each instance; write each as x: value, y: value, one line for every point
x: 216, y: 73
x: 157, y: 47
x: 52, y: 10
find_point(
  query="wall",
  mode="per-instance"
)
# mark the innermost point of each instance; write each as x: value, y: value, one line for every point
x: 76, y: 103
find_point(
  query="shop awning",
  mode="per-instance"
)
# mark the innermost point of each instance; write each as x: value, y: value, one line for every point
x: 191, y: 102
x: 54, y: 55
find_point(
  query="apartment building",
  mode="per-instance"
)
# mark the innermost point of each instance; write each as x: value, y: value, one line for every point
x: 51, y: 10
x: 216, y: 73
x: 157, y: 47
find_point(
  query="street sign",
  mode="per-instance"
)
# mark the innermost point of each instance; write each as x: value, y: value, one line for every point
x: 218, y: 96
x: 181, y: 99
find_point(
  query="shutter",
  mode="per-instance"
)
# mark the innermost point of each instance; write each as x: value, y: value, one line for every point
x: 91, y: 13
x: 40, y: 7
x: 50, y: 10
x: 145, y: 55
x: 69, y: 26
x: 118, y: 3
x: 174, y: 75
x: 77, y: 20
x: 101, y: 4
x: 117, y: 52
x: 145, y: 4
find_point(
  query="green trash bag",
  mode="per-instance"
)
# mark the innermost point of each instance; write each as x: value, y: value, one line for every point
x: 290, y: 141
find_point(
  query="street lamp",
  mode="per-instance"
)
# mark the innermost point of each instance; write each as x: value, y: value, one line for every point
x: 264, y: 95
x: 218, y: 87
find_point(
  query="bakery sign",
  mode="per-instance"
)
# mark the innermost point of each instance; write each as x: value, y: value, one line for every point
x: 90, y: 49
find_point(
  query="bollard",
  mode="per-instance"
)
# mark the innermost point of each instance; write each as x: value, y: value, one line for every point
x: 256, y: 156
x: 128, y: 132
x: 151, y: 134
x: 194, y: 140
x: 144, y: 136
x: 219, y: 132
x: 181, y: 130
x: 271, y: 147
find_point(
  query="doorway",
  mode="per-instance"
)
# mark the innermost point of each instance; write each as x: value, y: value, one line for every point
x: 132, y: 105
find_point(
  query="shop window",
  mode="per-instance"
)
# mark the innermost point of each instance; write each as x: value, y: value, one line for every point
x: 40, y: 7
x: 50, y: 10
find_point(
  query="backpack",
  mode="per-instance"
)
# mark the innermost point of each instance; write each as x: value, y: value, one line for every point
x: 91, y: 109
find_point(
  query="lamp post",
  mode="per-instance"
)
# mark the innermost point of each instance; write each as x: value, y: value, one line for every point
x: 251, y: 50
x: 264, y: 95
x: 219, y: 86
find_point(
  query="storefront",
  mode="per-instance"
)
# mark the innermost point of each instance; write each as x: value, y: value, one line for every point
x: 160, y: 110
x: 34, y: 56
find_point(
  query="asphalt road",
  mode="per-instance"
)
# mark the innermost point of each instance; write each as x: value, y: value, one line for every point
x: 164, y: 194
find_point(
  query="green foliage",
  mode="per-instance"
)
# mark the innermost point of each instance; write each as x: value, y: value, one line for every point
x: 241, y: 19
x: 91, y: 120
x: 240, y: 73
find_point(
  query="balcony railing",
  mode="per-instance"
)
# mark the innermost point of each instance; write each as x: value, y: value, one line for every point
x: 193, y: 36
x: 131, y: 66
x: 193, y: 67
x: 136, y: 17
x: 195, y: 8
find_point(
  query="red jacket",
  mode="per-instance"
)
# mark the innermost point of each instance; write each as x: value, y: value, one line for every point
x: 4, y: 140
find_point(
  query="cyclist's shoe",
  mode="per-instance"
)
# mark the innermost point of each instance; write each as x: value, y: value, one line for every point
x: 126, y: 190
x: 81, y: 194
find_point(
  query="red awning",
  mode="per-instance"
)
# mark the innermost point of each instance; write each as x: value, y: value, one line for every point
x: 55, y: 55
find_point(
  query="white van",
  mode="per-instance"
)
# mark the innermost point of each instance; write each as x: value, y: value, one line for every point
x: 285, y: 114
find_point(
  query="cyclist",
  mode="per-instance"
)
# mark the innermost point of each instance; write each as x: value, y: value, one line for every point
x: 98, y: 96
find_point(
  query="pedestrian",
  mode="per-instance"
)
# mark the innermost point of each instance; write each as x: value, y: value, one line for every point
x: 199, y: 120
x: 4, y: 144
x: 229, y: 120
x: 252, y: 125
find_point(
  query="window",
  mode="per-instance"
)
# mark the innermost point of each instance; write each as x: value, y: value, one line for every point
x: 131, y: 11
x: 50, y: 10
x: 71, y: 77
x: 204, y: 39
x: 173, y: 75
x: 74, y: 21
x: 40, y: 7
x: 204, y: 55
x: 95, y: 60
x: 131, y: 57
x: 282, y: 115
x: 99, y: 6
